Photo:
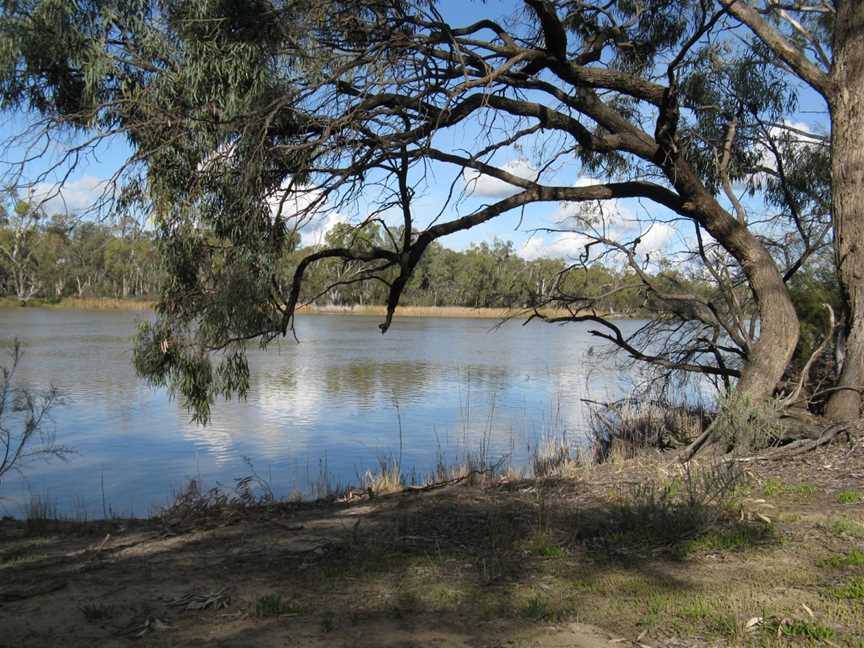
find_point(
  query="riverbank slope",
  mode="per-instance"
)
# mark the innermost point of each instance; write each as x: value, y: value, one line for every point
x: 634, y: 553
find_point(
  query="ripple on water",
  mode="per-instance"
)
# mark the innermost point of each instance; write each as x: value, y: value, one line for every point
x: 342, y: 395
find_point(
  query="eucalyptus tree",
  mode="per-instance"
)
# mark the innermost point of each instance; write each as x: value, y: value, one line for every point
x: 822, y: 43
x: 246, y: 120
x: 19, y: 232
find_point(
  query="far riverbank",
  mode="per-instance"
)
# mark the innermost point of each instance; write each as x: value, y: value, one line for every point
x: 455, y: 312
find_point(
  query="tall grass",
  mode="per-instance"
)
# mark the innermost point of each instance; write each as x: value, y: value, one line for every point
x: 554, y: 457
x: 386, y: 479
x: 627, y: 427
x: 41, y: 514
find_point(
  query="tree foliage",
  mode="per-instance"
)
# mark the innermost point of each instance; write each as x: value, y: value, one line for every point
x: 246, y: 120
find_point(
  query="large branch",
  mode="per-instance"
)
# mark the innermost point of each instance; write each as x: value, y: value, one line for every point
x: 375, y: 254
x: 780, y: 45
x: 554, y: 34
x: 535, y: 193
x: 618, y: 339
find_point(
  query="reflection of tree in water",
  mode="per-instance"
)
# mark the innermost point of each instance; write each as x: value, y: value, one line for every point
x: 485, y: 376
x: 67, y: 360
x: 367, y: 382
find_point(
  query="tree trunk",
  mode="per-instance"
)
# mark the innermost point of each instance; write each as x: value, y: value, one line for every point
x: 779, y: 328
x: 778, y: 324
x: 847, y: 173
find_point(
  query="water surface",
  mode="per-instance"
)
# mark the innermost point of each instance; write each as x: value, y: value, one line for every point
x: 342, y: 397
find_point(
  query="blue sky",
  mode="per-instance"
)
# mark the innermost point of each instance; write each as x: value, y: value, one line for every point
x: 83, y: 184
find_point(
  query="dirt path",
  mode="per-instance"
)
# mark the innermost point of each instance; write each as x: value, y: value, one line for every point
x: 582, y: 563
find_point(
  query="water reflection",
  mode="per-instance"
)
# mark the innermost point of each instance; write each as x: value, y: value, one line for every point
x: 342, y: 393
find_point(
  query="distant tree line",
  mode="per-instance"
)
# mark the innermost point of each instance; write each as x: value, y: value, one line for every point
x: 483, y: 276
x: 57, y: 256
x: 496, y: 276
x: 53, y: 257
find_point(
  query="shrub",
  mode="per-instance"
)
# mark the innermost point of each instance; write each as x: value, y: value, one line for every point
x: 745, y: 425
x: 631, y: 425
x: 850, y: 497
x: 25, y: 433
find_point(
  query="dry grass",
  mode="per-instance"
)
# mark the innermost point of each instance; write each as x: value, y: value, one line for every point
x: 555, y: 458
x: 431, y: 311
x: 80, y: 303
x: 458, y: 312
x: 623, y: 429
x: 387, y: 479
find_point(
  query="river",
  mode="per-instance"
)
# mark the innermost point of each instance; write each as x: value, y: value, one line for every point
x: 333, y: 404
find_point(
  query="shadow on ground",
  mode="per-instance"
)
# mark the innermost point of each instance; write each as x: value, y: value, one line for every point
x: 525, y: 563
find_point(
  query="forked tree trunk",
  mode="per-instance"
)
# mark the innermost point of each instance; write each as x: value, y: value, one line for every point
x: 779, y: 328
x: 778, y: 322
x: 847, y: 173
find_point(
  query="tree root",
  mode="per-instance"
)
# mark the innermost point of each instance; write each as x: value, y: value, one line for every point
x: 796, y: 447
x: 802, y: 446
x: 358, y: 494
x: 697, y: 445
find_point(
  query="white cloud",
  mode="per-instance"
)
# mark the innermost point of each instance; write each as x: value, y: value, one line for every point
x: 72, y: 197
x: 655, y: 238
x: 310, y: 214
x: 480, y: 184
x: 314, y: 232
x: 562, y: 246
x: 608, y: 213
x: 797, y: 134
x: 612, y: 220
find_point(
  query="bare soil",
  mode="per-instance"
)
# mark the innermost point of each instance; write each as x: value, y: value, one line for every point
x: 612, y: 556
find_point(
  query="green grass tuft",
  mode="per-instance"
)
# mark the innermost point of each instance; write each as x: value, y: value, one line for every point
x: 855, y: 558
x: 695, y: 610
x: 736, y: 538
x: 853, y: 590
x: 806, y: 630
x: 536, y: 609
x: 850, y: 497
x: 846, y: 526
x: 774, y: 487
x: 272, y: 605
x: 807, y: 490
x: 541, y: 547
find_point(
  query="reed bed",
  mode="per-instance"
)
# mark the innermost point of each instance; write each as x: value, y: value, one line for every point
x: 451, y: 312
x: 80, y: 303
x: 455, y: 312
